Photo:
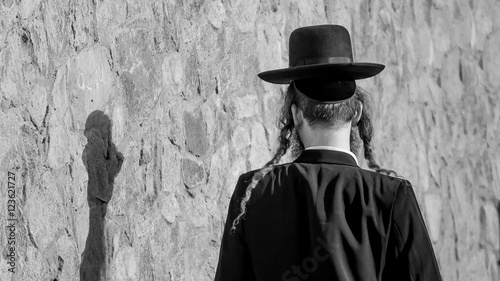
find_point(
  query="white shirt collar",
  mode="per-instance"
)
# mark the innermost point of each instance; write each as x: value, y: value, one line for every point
x: 334, y: 149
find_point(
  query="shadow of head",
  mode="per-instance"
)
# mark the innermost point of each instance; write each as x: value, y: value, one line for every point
x: 100, y: 156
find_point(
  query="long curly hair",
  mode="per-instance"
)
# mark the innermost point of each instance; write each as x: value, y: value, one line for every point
x: 318, y: 113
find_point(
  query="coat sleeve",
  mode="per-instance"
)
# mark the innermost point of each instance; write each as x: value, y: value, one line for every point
x: 410, y: 255
x: 234, y: 257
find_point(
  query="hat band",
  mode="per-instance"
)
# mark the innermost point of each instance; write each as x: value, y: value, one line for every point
x: 322, y: 60
x: 292, y: 84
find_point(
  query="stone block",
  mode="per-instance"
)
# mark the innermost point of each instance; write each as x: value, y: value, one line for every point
x: 496, y: 172
x: 65, y: 262
x: 126, y: 264
x: 433, y: 210
x: 59, y: 143
x: 219, y: 165
x: 244, y: 107
x: 450, y: 78
x: 38, y: 106
x: 216, y: 14
x: 196, y: 133
x: 169, y: 207
x: 245, y: 14
x: 489, y: 218
x: 492, y: 267
x: 240, y: 138
x: 109, y: 16
x: 482, y: 22
x: 259, y: 151
x: 491, y: 60
x: 193, y: 174
x: 171, y: 169
x: 173, y: 73
x: 44, y: 201
x: 473, y: 267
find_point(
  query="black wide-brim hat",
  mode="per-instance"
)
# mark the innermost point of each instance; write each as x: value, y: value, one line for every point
x: 321, y: 51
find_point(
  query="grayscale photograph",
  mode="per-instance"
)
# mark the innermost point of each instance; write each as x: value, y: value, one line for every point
x: 250, y: 140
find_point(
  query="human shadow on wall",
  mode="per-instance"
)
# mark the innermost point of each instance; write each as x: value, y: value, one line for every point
x: 102, y: 162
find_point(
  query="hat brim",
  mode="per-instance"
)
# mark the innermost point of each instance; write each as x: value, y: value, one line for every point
x: 355, y: 71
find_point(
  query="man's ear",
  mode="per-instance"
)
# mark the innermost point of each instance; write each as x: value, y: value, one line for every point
x: 357, y: 115
x: 297, y: 115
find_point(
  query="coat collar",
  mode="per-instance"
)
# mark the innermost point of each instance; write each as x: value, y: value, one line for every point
x: 326, y: 156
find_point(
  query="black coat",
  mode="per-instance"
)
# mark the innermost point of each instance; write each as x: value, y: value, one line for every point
x: 322, y: 217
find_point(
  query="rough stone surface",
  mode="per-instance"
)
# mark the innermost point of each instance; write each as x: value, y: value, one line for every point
x: 196, y: 133
x: 177, y: 81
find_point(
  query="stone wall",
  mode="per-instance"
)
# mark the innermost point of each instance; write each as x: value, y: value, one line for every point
x: 127, y: 123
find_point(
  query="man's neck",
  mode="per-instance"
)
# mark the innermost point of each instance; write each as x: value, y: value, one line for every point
x: 325, y: 137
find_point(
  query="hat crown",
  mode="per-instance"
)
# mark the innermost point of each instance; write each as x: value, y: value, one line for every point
x: 321, y: 51
x: 320, y: 44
